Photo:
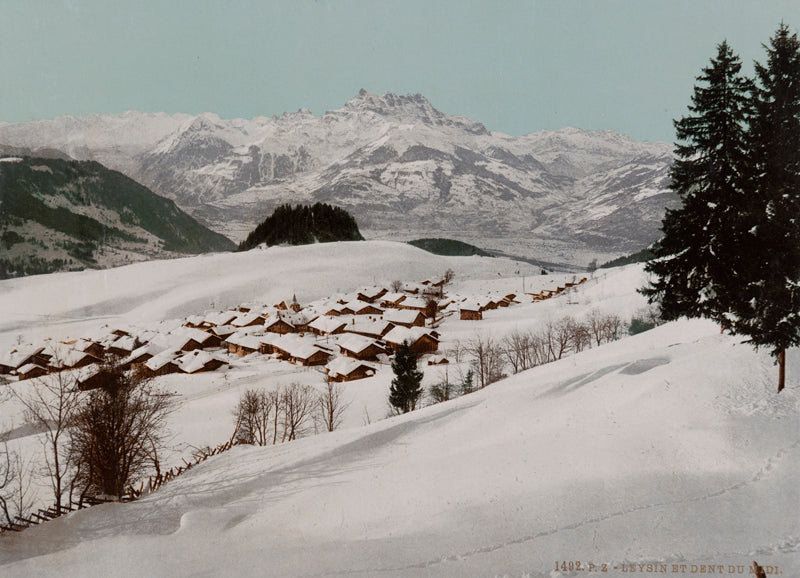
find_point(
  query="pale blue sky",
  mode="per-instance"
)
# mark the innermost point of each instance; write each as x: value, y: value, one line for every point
x: 516, y: 66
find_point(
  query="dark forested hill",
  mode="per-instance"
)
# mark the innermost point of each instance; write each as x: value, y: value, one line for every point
x: 301, y: 225
x: 58, y: 214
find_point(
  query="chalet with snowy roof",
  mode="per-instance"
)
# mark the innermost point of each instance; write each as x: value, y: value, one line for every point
x: 335, y: 310
x: 71, y: 359
x: 88, y: 346
x: 471, y: 310
x: 359, y: 307
x: 392, y: 300
x: 420, y: 340
x: 30, y: 371
x: 161, y: 364
x: 346, y: 369
x: 243, y: 344
x: 278, y: 325
x: 415, y: 303
x: 223, y: 331
x: 122, y: 346
x: 248, y: 320
x: 374, y: 328
x: 219, y: 318
x: 371, y: 294
x: 405, y: 317
x: 298, y: 320
x: 326, y: 326
x: 359, y: 347
x: 438, y: 360
x: 199, y: 362
x: 142, y: 355
x: 301, y: 351
x: 23, y: 356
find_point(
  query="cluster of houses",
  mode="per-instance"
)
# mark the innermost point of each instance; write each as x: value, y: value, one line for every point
x: 347, y: 337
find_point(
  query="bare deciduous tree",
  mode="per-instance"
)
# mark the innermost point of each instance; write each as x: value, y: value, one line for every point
x: 332, y: 404
x: 397, y: 285
x: 50, y: 403
x: 116, y: 429
x: 298, y: 403
x: 253, y: 417
x: 9, y: 464
x: 487, y: 358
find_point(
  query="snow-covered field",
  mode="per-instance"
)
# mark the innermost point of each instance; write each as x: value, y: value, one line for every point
x: 668, y: 449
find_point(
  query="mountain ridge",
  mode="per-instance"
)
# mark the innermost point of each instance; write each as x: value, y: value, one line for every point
x: 403, y: 168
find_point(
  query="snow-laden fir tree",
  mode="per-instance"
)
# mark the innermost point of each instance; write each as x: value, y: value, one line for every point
x: 406, y: 387
x: 698, y: 259
x: 768, y: 311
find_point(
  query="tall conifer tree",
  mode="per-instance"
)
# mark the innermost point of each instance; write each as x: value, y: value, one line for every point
x: 697, y: 260
x: 406, y: 387
x: 769, y: 310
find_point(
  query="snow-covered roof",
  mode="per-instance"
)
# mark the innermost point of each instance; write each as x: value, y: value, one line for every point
x: 19, y: 356
x: 221, y: 317
x: 157, y: 362
x: 245, y: 319
x: 346, y: 366
x: 326, y: 324
x: 401, y: 315
x: 410, y: 334
x: 196, y: 360
x: 373, y: 327
x: 355, y: 343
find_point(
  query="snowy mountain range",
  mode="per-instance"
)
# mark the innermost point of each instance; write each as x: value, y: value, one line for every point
x: 400, y: 166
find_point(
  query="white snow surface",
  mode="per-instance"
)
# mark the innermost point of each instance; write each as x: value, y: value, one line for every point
x: 670, y: 447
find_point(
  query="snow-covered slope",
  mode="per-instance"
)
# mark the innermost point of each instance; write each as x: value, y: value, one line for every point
x: 395, y: 162
x: 666, y: 448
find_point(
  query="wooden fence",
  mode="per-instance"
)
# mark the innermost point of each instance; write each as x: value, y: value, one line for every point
x: 153, y: 483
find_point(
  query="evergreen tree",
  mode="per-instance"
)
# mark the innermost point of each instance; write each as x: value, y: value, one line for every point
x: 406, y: 387
x: 697, y: 261
x: 768, y: 311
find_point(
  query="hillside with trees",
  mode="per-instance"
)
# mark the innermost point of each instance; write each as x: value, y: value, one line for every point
x: 303, y: 225
x: 57, y: 215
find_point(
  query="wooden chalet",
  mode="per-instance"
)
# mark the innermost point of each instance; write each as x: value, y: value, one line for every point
x: 219, y: 318
x: 326, y: 326
x: 161, y: 364
x: 405, y: 318
x: 363, y: 308
x: 199, y: 362
x: 30, y: 371
x: 359, y: 347
x: 278, y: 325
x: 24, y: 356
x: 248, y: 320
x: 470, y: 311
x: 242, y: 345
x: 414, y: 303
x: 371, y: 294
x: 374, y: 328
x: 346, y: 369
x: 438, y: 360
x: 392, y: 300
x: 420, y: 340
x: 72, y: 359
x: 300, y: 351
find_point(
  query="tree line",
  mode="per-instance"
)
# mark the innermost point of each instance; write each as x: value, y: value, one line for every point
x: 731, y: 252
